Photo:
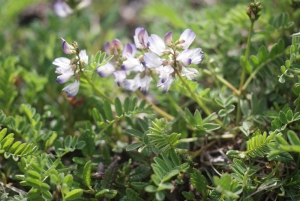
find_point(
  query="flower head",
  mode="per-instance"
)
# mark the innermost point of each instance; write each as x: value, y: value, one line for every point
x: 167, y: 84
x: 120, y: 76
x: 190, y: 73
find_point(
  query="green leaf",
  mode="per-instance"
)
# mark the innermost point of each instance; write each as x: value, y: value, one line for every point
x: 3, y: 133
x: 211, y: 126
x: 127, y: 104
x: 118, y: 106
x: 174, y: 157
x: 135, y: 133
x: 188, y: 195
x: 151, y: 189
x: 160, y: 195
x: 254, y: 60
x: 134, y: 146
x: 282, y: 117
x: 289, y: 115
x: 132, y: 195
x: 293, y: 138
x: 68, y: 142
x: 108, y: 112
x: 262, y: 54
x: 87, y: 174
x: 199, y: 182
x: 74, y: 194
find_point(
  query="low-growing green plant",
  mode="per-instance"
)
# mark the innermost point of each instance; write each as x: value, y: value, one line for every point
x: 208, y: 112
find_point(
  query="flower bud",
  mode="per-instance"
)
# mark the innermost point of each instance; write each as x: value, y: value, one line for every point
x: 67, y: 48
x: 168, y: 38
x: 253, y: 11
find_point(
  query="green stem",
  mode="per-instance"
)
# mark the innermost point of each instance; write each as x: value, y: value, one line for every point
x: 195, y: 97
x: 253, y: 74
x: 246, y: 57
x: 155, y: 108
x: 175, y: 104
x: 100, y: 93
x: 243, y: 76
x: 221, y: 79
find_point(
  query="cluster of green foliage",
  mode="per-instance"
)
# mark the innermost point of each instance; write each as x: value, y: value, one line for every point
x: 244, y: 145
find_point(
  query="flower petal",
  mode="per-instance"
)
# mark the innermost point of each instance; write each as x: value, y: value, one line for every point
x: 106, y: 70
x: 187, y: 37
x: 72, y: 89
x: 67, y: 48
x: 120, y: 76
x: 62, y: 62
x: 156, y: 44
x: 152, y: 60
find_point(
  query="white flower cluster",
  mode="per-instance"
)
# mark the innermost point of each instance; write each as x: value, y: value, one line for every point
x: 160, y: 56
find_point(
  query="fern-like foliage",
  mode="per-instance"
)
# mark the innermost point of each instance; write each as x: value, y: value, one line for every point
x: 257, y: 146
x: 164, y: 169
x: 14, y: 149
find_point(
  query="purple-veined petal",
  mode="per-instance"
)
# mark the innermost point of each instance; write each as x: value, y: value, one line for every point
x: 152, y: 60
x: 197, y: 55
x: 141, y: 38
x: 72, y: 89
x: 156, y: 44
x: 120, y: 76
x: 189, y: 73
x: 129, y: 50
x: 66, y: 76
x: 144, y: 83
x: 168, y: 38
x: 185, y: 57
x: 62, y: 9
x: 166, y: 85
x: 106, y: 70
x: 188, y: 37
x: 67, y: 48
x: 164, y: 72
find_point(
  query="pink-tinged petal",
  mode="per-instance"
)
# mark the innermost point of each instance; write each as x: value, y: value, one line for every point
x: 106, y: 70
x: 116, y: 45
x: 130, y: 63
x: 166, y: 85
x: 120, y: 76
x: 64, y: 77
x: 189, y: 73
x: 62, y: 9
x: 67, y: 48
x: 152, y: 60
x: 72, y: 89
x: 156, y: 44
x: 168, y: 38
x: 186, y: 38
x: 107, y: 48
x: 62, y: 62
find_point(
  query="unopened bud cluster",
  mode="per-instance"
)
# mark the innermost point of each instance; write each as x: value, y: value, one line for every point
x: 253, y: 11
